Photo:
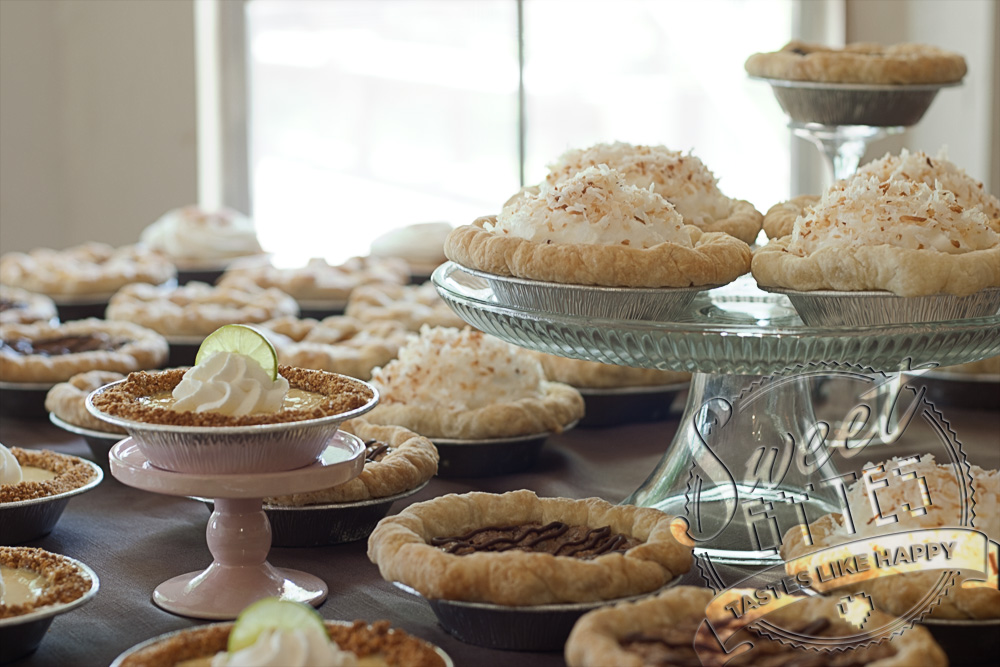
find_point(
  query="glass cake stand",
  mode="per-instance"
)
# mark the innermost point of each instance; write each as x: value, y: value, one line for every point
x: 746, y: 437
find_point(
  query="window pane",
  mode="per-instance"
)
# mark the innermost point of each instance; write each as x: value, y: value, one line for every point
x: 367, y: 115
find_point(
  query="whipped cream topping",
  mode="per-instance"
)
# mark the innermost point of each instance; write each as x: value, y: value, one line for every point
x: 443, y: 367
x: 422, y: 243
x: 681, y: 179
x: 307, y: 647
x: 903, y: 214
x: 595, y: 206
x: 938, y: 173
x: 229, y: 384
x: 10, y: 468
x: 192, y: 233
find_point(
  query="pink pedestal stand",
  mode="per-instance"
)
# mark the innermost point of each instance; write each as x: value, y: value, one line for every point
x: 238, y: 533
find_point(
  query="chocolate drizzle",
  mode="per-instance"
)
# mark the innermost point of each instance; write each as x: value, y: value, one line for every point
x: 556, y: 538
x: 8, y: 304
x: 376, y: 451
x: 51, y: 347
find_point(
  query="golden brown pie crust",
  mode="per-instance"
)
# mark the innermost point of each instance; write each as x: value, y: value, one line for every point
x: 142, y: 349
x: 780, y: 218
x: 23, y: 307
x: 411, y: 306
x: 584, y: 374
x: 715, y: 259
x: 400, y: 546
x: 67, y: 400
x: 903, y: 271
x: 412, y: 461
x: 860, y: 62
x: 596, y: 638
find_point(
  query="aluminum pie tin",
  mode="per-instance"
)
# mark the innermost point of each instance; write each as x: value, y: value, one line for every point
x: 854, y: 103
x: 618, y: 303
x: 628, y: 405
x: 327, y: 524
x: 99, y: 442
x: 26, y: 520
x: 966, y: 641
x: 233, y: 449
x: 823, y: 308
x: 542, y: 627
x: 489, y: 457
x: 21, y: 635
x: 133, y: 657
x: 24, y: 400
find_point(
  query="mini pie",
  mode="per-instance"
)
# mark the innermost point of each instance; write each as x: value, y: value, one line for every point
x: 662, y: 630
x: 683, y: 180
x: 192, y: 237
x: 882, y: 230
x: 42, y: 352
x: 779, y: 218
x: 88, y: 269
x: 412, y: 306
x: 420, y: 245
x: 584, y: 374
x: 65, y: 473
x: 67, y: 400
x: 860, y: 62
x: 198, y: 309
x: 396, y: 460
x: 517, y: 549
x: 338, y: 344
x: 450, y: 383
x: 318, y: 280
x: 594, y: 229
x: 378, y: 642
x: 61, y: 582
x: 898, y: 593
x: 18, y: 306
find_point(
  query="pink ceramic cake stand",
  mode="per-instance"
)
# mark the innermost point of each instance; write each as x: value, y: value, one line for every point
x: 238, y: 533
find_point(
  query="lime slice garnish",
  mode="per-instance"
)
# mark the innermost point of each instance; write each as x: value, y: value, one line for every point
x: 272, y: 614
x: 240, y: 339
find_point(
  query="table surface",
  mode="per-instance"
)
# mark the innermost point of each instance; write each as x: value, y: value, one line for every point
x: 135, y: 540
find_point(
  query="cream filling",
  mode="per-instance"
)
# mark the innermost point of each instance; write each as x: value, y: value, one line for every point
x: 295, y: 399
x: 33, y: 474
x: 20, y: 586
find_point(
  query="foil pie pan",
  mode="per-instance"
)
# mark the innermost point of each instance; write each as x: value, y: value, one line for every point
x: 325, y: 525
x: 823, y: 308
x: 26, y: 520
x: 489, y: 457
x: 24, y: 400
x: 530, y: 628
x: 854, y: 103
x: 21, y: 635
x: 629, y: 405
x: 99, y: 442
x: 617, y: 303
x: 966, y: 642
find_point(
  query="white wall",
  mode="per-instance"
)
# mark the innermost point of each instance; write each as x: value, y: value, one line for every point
x: 97, y: 118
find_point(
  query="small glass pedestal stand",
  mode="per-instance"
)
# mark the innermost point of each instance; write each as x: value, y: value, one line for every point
x: 746, y: 444
x: 238, y: 533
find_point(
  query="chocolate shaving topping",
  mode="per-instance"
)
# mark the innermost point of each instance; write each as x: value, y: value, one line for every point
x: 8, y: 304
x: 376, y: 451
x: 51, y: 347
x: 556, y: 538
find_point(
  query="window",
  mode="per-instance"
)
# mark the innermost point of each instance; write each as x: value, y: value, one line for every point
x: 366, y: 115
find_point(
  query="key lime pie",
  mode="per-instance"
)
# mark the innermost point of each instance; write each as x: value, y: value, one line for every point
x: 681, y: 179
x: 594, y: 228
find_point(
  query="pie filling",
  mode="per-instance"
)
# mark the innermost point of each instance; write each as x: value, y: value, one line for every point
x: 20, y: 586
x: 556, y: 538
x: 52, y: 347
x: 675, y: 646
x: 295, y: 399
x: 34, y: 474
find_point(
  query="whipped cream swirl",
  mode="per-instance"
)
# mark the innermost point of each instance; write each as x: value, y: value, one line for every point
x: 230, y: 384
x: 10, y: 468
x: 192, y: 233
x: 288, y: 648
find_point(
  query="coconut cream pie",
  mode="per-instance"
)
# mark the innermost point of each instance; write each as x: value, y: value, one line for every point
x: 26, y: 474
x: 683, y: 180
x: 67, y: 400
x: 43, y: 352
x: 663, y: 631
x: 197, y: 309
x: 88, y: 269
x: 338, y: 344
x: 550, y: 550
x: 18, y: 306
x: 412, y: 306
x: 905, y: 500
x: 595, y: 229
x: 34, y: 578
x: 899, y: 236
x: 193, y: 237
x: 452, y: 383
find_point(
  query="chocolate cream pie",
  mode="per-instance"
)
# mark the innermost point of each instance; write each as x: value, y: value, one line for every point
x: 551, y: 550
x: 43, y: 352
x: 663, y: 631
